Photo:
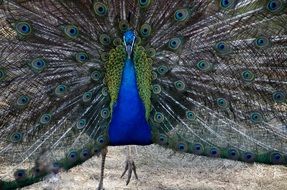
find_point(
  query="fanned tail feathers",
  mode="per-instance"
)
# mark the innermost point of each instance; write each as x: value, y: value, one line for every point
x: 222, y: 92
x: 218, y: 89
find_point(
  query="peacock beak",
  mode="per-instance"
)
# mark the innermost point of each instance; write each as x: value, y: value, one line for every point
x: 129, y: 50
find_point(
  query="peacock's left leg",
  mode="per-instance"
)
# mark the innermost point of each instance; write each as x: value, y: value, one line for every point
x: 130, y: 166
x: 104, y: 154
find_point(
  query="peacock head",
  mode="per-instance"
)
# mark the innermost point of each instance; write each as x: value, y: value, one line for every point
x: 129, y: 41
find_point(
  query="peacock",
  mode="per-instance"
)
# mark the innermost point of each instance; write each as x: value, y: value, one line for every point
x: 202, y: 77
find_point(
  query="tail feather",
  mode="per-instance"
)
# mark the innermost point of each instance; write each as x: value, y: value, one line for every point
x: 54, y: 100
x: 220, y: 91
x: 219, y: 79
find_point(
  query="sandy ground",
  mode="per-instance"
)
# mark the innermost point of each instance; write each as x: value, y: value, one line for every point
x: 160, y: 169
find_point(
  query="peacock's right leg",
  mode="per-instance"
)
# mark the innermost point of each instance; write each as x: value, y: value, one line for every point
x: 130, y: 166
x: 104, y: 154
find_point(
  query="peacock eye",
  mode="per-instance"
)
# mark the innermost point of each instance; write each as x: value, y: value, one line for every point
x: 156, y: 89
x: 38, y: 64
x: 45, y: 119
x: 222, y: 48
x: 105, y: 39
x: 105, y: 113
x: 158, y: 117
x: 117, y: 41
x: 261, y: 42
x: 72, y: 155
x: 82, y: 57
x: 204, y: 65
x: 214, y: 152
x: 174, y: 43
x: 81, y: 124
x: 274, y: 5
x: 145, y: 30
x: 248, y: 157
x: 198, y: 149
x: 61, y: 90
x: 96, y: 75
x: 222, y: 103
x: 233, y: 154
x: 100, y: 9
x: 85, y: 153
x: 151, y: 52
x: 16, y: 137
x: 181, y: 15
x: 23, y: 28
x: 162, y: 139
x: 104, y: 56
x: 23, y: 100
x: 105, y: 91
x: 226, y: 4
x: 87, y: 96
x: 256, y: 117
x: 201, y: 65
x: 190, y: 115
x: 123, y: 25
x: 144, y: 3
x: 162, y: 69
x: 182, y: 147
x: 71, y: 31
x: 279, y: 97
x: 20, y: 174
x: 179, y: 85
x: 247, y: 76
x: 101, y: 140
x: 276, y: 158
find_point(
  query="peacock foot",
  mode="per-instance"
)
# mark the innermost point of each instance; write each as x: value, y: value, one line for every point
x: 130, y: 167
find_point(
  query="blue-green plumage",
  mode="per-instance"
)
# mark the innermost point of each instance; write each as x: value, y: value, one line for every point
x: 128, y: 124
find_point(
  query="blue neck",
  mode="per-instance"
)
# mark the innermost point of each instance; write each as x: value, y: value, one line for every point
x: 128, y: 124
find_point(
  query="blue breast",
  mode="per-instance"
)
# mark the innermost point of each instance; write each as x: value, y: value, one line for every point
x: 128, y: 124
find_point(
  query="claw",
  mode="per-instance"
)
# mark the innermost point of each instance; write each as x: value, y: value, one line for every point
x: 130, y: 167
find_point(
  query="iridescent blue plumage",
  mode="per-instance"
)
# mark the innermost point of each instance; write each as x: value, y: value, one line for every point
x: 128, y: 124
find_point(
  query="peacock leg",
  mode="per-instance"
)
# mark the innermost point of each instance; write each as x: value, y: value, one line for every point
x: 104, y: 154
x: 130, y: 166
